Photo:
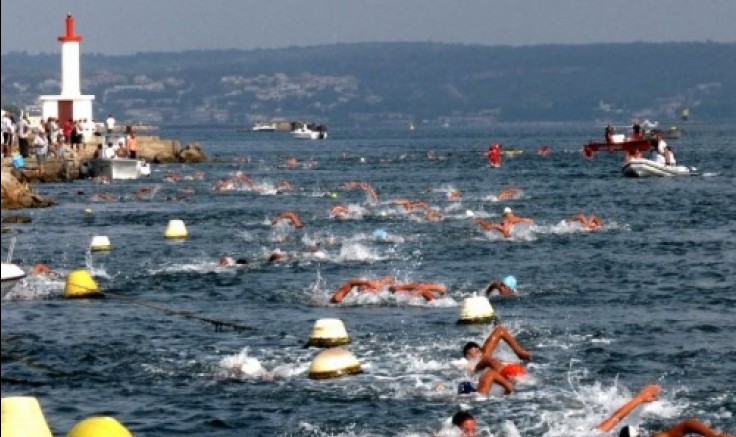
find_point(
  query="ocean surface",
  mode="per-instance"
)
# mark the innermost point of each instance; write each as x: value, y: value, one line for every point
x: 649, y: 298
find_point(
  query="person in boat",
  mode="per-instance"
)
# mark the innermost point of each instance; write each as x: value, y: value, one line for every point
x: 636, y: 129
x: 291, y: 217
x: 669, y: 156
x: 505, y: 287
x: 658, y: 149
x: 651, y: 393
x: 362, y: 285
x: 591, y: 223
x: 480, y: 359
x: 609, y: 133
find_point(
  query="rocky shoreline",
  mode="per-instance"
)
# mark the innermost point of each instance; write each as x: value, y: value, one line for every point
x: 18, y: 194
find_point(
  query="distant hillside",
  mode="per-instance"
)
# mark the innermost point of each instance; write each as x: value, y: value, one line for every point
x: 397, y: 83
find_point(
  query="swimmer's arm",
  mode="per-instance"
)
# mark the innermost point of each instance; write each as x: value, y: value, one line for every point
x: 690, y: 426
x: 647, y: 394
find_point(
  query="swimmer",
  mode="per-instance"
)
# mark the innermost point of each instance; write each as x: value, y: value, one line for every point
x: 544, y: 151
x: 510, y: 219
x: 433, y: 215
x: 423, y: 289
x: 363, y: 285
x: 284, y: 186
x: 145, y: 192
x: 291, y: 163
x: 41, y: 270
x: 651, y: 393
x: 106, y: 197
x: 172, y: 177
x: 339, y: 212
x: 505, y: 287
x: 454, y: 196
x: 406, y: 204
x: 465, y: 422
x: 291, y: 217
x: 277, y: 256
x: 496, y: 372
x: 591, y: 223
x: 511, y: 193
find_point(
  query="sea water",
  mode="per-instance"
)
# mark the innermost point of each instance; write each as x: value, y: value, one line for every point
x: 649, y: 298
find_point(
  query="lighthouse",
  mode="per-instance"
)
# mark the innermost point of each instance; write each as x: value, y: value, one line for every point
x: 70, y: 104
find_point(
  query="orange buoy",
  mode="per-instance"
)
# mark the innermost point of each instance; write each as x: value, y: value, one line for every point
x: 513, y: 371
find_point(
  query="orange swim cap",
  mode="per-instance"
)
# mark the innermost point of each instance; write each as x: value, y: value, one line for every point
x: 513, y: 371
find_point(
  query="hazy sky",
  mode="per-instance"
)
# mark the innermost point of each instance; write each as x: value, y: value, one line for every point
x: 129, y: 26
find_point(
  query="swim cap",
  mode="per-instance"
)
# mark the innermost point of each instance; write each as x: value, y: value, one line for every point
x: 507, y: 210
x: 628, y: 431
x: 510, y: 282
x: 380, y: 234
x: 465, y: 387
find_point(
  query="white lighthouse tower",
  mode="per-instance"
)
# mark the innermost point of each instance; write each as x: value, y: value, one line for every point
x: 70, y: 104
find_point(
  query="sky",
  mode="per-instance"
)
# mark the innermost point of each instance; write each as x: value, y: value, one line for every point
x: 132, y: 26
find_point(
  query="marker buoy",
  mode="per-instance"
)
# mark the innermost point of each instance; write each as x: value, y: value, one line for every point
x: 333, y: 363
x: 79, y: 284
x: 99, y: 427
x: 22, y: 416
x: 328, y: 333
x: 176, y: 230
x: 476, y: 309
x: 100, y: 243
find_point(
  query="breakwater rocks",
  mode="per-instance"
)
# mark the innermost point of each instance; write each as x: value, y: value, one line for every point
x: 17, y: 195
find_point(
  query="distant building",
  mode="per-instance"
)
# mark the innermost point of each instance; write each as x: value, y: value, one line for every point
x: 70, y: 104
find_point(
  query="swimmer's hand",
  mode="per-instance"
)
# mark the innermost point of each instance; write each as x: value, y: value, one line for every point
x: 650, y: 393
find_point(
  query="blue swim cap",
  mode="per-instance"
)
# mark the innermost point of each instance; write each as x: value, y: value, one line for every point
x: 380, y: 234
x: 510, y: 282
x: 465, y: 387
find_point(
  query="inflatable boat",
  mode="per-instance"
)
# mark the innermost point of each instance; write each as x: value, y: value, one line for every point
x: 640, y: 167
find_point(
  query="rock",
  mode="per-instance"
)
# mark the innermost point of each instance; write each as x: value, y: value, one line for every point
x: 17, y: 219
x: 17, y: 196
x: 192, y: 153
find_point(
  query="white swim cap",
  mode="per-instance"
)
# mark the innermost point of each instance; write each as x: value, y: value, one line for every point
x: 507, y: 210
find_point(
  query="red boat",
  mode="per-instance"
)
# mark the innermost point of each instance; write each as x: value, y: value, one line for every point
x: 628, y: 145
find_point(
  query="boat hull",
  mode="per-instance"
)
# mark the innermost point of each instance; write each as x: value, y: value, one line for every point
x: 11, y: 274
x: 117, y: 168
x: 640, y: 168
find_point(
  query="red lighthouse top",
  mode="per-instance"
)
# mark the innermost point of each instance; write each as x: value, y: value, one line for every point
x: 70, y: 36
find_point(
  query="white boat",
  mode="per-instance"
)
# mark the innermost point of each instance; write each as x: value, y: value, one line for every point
x: 309, y: 131
x: 263, y: 126
x: 11, y: 274
x: 119, y: 168
x: 641, y: 167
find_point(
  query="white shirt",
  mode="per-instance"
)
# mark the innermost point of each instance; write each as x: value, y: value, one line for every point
x: 110, y: 123
x: 108, y: 152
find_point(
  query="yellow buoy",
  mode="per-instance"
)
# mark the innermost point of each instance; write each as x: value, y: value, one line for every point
x: 100, y: 243
x: 333, y: 363
x: 328, y: 333
x: 99, y: 427
x: 22, y: 416
x: 176, y: 229
x: 88, y: 211
x: 79, y: 284
x: 476, y: 309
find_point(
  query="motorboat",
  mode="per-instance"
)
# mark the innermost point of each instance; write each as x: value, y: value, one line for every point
x: 309, y: 131
x: 264, y: 126
x: 641, y: 167
x: 119, y: 168
x: 11, y: 274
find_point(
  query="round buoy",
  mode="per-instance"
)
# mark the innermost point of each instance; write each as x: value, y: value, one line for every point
x: 513, y: 371
x: 476, y: 309
x: 99, y: 427
x: 100, y: 243
x: 22, y: 416
x: 333, y: 363
x: 79, y: 284
x: 328, y: 333
x: 176, y: 229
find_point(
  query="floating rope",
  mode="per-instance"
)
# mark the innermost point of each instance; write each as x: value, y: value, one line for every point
x: 218, y: 324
